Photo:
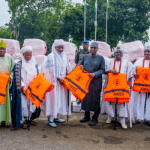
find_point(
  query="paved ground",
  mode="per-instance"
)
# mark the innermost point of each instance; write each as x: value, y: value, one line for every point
x: 73, y: 135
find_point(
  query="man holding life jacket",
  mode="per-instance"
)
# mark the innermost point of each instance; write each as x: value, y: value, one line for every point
x: 6, y: 66
x: 55, y: 67
x: 95, y: 65
x: 141, y: 100
x: 119, y: 65
x: 23, y: 110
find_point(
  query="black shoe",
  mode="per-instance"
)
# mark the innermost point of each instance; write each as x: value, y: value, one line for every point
x: 147, y: 123
x: 93, y: 123
x: 84, y: 120
x: 136, y: 122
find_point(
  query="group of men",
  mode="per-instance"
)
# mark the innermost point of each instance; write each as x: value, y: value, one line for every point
x: 55, y: 67
x: 139, y: 101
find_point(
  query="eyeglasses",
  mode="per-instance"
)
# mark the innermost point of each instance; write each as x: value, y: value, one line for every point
x: 94, y: 47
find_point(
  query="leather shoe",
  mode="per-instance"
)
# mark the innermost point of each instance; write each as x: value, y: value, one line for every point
x: 84, y: 120
x: 136, y: 122
x: 93, y: 123
x: 147, y: 123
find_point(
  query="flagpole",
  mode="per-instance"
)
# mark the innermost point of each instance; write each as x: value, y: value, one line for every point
x: 85, y: 7
x: 95, y: 19
x: 106, y: 19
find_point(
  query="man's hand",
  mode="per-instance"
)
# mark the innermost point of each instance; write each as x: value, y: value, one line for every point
x: 114, y: 72
x: 136, y: 76
x: 23, y: 91
x: 130, y: 85
x: 9, y: 80
x: 81, y: 66
x: 60, y: 80
x: 92, y: 75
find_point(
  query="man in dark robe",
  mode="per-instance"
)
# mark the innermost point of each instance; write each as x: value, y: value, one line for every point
x: 95, y: 65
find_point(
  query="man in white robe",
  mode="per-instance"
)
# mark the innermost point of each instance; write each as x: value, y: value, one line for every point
x: 141, y: 100
x: 127, y: 68
x: 29, y: 71
x: 55, y: 67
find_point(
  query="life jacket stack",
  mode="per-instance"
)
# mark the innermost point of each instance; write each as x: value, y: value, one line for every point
x: 78, y: 82
x: 37, y: 89
x: 142, y: 83
x: 4, y: 77
x: 117, y: 87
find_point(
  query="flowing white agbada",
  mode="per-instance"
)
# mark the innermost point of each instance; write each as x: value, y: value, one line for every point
x: 28, y: 73
x: 56, y: 65
x: 141, y: 104
x: 122, y: 109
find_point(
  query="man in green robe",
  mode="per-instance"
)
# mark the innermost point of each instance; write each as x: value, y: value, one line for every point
x: 6, y: 66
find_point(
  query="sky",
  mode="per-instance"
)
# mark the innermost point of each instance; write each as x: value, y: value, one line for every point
x: 5, y: 16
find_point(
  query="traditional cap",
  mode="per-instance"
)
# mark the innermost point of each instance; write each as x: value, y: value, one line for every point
x: 3, y: 44
x: 85, y: 41
x: 118, y: 48
x: 26, y: 49
x: 94, y: 44
x: 147, y: 47
x: 58, y: 42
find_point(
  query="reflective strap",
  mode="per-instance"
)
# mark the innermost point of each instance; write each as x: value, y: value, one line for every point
x: 35, y: 95
x: 2, y: 94
x: 75, y: 85
x: 139, y: 84
x: 124, y: 90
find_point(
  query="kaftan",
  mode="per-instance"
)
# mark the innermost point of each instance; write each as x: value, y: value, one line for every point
x: 122, y: 109
x: 96, y: 65
x: 141, y: 102
x: 6, y: 65
x: 56, y: 101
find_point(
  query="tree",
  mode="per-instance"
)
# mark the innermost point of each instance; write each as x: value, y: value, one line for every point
x: 51, y: 19
x: 5, y: 33
x: 36, y: 19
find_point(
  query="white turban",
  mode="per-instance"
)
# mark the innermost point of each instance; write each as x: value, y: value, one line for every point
x: 26, y: 49
x: 59, y: 42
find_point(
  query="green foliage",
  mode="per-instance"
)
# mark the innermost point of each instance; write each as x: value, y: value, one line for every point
x: 5, y: 33
x: 51, y: 19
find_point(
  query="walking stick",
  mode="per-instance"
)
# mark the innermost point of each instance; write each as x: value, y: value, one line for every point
x: 7, y: 96
x: 130, y: 112
x: 28, y: 121
x: 115, y: 125
x: 68, y: 104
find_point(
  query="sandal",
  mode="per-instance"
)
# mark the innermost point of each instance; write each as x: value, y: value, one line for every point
x: 24, y: 125
x: 33, y: 123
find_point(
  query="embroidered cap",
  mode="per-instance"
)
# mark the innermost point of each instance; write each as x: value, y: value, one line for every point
x: 118, y: 48
x: 3, y: 44
x: 94, y: 44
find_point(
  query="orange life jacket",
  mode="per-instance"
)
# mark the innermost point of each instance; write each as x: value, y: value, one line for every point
x: 117, y: 87
x: 37, y: 89
x: 4, y: 77
x: 142, y: 83
x: 78, y: 82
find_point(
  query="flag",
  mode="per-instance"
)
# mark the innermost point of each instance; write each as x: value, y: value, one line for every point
x: 85, y: 4
x: 96, y: 3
